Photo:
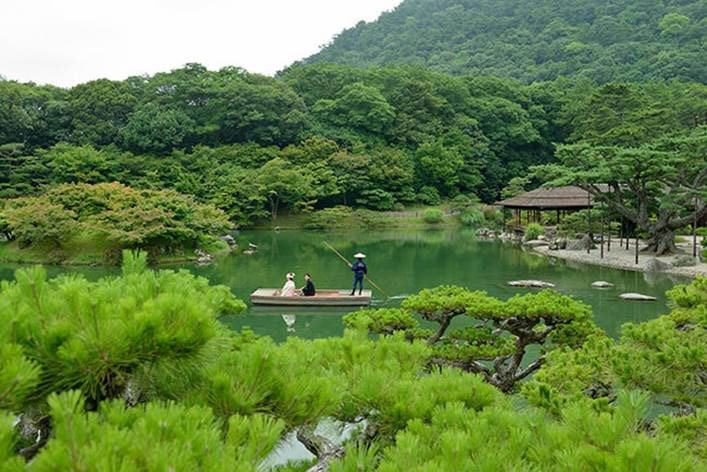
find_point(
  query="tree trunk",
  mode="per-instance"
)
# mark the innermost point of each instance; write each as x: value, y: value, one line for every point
x: 325, y: 450
x: 661, y: 242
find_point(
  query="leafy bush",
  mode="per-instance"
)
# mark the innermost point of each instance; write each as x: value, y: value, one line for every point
x: 702, y: 231
x: 371, y: 219
x: 433, y: 216
x: 131, y: 218
x: 533, y: 231
x: 36, y: 221
x: 472, y: 217
x: 462, y: 202
x: 493, y: 216
x: 576, y: 223
x: 329, y: 218
x: 429, y: 196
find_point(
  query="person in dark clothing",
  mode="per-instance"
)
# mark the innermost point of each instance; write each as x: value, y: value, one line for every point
x: 308, y: 290
x: 360, y: 270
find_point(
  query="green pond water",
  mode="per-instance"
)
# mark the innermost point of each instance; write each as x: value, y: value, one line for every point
x: 402, y: 262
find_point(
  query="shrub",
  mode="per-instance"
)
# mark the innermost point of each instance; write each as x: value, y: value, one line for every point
x: 429, y: 196
x: 460, y: 203
x: 576, y: 223
x: 493, y: 216
x: 131, y: 218
x: 702, y: 231
x: 371, y: 219
x: 329, y: 218
x: 376, y: 199
x: 433, y: 216
x: 533, y: 231
x: 472, y: 217
x: 34, y: 221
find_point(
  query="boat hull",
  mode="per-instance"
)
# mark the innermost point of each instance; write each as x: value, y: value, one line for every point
x: 266, y: 296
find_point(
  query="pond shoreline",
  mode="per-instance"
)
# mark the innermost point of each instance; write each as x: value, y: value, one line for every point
x: 620, y: 258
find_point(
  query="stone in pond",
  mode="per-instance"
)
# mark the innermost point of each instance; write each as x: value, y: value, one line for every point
x: 602, y: 284
x: 637, y: 297
x: 531, y: 283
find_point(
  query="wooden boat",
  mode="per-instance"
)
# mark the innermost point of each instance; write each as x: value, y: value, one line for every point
x: 268, y: 296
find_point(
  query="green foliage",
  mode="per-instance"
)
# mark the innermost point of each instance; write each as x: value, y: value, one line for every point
x: 577, y: 223
x: 9, y: 462
x: 598, y: 40
x: 433, y: 216
x: 472, y: 217
x: 160, y: 219
x: 38, y: 221
x: 533, y: 231
x: 329, y: 218
x: 145, y: 329
x: 502, y: 331
x: 155, y: 129
x: 496, y: 439
x: 515, y: 187
x: 665, y: 356
x: 152, y: 437
x: 668, y: 355
x: 135, y: 372
x: 429, y: 196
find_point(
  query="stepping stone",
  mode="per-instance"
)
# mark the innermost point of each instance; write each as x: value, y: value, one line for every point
x: 602, y: 284
x: 531, y: 283
x: 637, y: 297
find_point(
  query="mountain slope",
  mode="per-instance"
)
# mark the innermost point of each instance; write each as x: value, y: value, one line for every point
x: 604, y: 40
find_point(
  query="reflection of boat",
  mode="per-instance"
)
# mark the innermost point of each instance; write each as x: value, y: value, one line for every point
x: 267, y: 296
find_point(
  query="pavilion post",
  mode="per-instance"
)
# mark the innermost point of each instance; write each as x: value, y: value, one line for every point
x: 601, y: 252
x: 636, y: 247
x: 503, y: 215
x: 694, y: 231
x: 627, y: 236
x: 589, y: 222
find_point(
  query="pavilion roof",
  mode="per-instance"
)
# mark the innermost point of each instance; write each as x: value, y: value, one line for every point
x: 569, y: 197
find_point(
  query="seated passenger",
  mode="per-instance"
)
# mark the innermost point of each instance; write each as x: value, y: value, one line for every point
x: 289, y: 289
x: 308, y: 290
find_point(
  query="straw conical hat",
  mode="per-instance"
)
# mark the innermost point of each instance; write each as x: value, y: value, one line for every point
x: 360, y: 255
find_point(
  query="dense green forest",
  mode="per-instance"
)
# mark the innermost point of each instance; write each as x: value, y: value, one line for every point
x: 137, y: 373
x: 602, y: 40
x: 318, y: 136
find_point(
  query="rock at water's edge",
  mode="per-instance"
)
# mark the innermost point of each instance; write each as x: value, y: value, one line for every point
x: 531, y: 283
x: 637, y: 297
x: 656, y: 265
x: 684, y: 261
x: 602, y: 284
x: 536, y: 243
x: 582, y: 244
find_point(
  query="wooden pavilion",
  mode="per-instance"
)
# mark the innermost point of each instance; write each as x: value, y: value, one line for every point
x: 559, y: 199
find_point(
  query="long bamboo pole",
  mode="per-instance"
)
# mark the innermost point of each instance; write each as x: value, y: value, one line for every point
x: 349, y: 264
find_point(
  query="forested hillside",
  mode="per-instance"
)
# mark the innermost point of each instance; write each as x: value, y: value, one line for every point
x: 317, y: 136
x: 618, y: 40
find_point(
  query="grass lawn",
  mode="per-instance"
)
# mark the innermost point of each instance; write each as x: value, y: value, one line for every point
x: 410, y: 217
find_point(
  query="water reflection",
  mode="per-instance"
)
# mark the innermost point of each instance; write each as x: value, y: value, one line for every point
x: 403, y: 262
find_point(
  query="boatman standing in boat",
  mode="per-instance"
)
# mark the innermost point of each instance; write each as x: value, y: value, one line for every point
x: 360, y: 270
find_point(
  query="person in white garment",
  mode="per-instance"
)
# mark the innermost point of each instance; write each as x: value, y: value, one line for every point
x: 289, y: 289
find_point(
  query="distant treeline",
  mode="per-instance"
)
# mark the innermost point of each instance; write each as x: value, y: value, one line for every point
x: 314, y: 137
x: 530, y: 40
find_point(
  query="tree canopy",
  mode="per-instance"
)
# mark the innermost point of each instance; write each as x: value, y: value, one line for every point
x: 136, y: 372
x: 601, y: 40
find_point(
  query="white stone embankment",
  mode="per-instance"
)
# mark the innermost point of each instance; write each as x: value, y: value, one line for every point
x: 621, y: 258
